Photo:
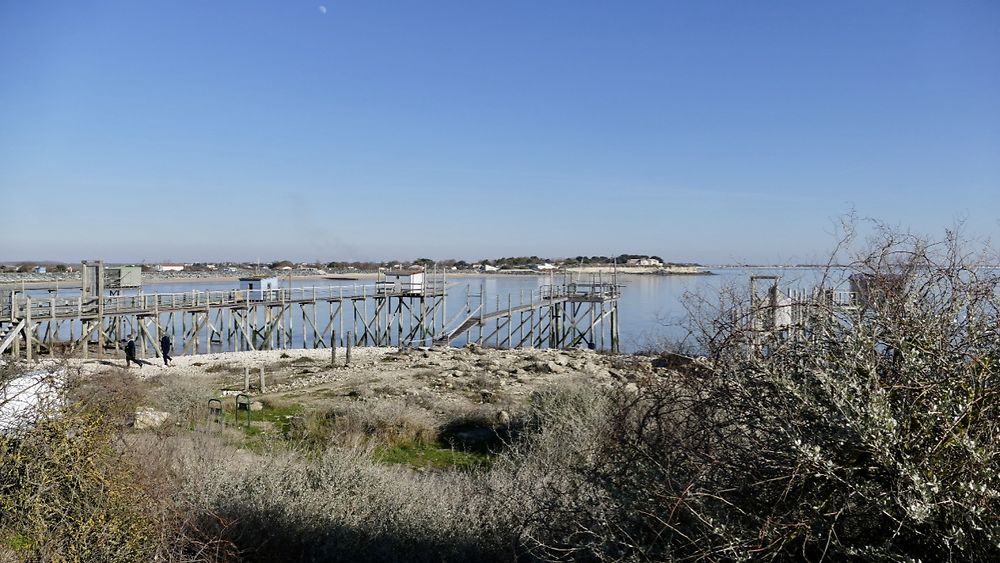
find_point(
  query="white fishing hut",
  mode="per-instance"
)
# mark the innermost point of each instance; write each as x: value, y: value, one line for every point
x: 258, y: 288
x: 401, y: 282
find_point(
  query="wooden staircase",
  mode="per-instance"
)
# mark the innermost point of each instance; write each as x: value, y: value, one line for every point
x: 447, y: 338
x: 8, y: 336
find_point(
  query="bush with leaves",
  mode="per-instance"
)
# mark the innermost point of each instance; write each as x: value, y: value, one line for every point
x: 68, y: 493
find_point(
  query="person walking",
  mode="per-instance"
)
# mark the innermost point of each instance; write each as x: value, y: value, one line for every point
x: 130, y: 353
x: 165, y: 347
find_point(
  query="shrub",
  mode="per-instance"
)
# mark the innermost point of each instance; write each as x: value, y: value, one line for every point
x: 69, y: 494
x: 344, y: 507
x: 868, y: 431
x: 75, y: 487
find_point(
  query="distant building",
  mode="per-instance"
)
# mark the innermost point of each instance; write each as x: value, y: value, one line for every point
x: 643, y: 262
x: 545, y: 266
x: 488, y: 268
x: 39, y: 269
x: 167, y: 267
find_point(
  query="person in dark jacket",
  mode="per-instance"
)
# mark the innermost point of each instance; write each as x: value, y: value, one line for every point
x: 130, y: 352
x: 165, y: 347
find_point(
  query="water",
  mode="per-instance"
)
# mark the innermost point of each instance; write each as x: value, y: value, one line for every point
x: 651, y: 308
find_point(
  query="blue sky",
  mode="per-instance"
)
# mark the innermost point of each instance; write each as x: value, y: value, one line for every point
x: 706, y: 131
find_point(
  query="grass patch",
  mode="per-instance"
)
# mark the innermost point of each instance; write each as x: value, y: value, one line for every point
x: 276, y: 416
x: 278, y: 412
x: 16, y: 542
x: 432, y: 456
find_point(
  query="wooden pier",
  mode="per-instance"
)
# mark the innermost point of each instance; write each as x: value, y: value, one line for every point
x: 398, y: 309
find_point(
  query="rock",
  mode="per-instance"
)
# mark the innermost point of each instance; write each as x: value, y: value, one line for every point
x: 148, y: 418
x: 503, y: 417
x: 487, y: 395
x: 553, y: 367
x: 671, y: 360
x: 256, y: 406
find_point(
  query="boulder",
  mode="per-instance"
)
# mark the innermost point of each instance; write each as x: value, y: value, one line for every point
x: 553, y: 367
x: 503, y: 417
x: 148, y: 418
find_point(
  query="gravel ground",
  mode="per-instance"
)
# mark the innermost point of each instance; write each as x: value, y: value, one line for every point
x: 459, y: 377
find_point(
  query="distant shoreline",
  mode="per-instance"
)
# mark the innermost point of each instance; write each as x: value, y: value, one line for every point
x: 67, y: 280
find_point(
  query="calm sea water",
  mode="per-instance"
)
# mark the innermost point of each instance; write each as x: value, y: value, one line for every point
x: 651, y: 308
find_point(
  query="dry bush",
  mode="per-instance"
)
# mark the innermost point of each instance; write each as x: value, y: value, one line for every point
x: 67, y: 491
x: 344, y: 507
x: 870, y: 432
x: 113, y: 394
x: 544, y: 474
x: 70, y: 495
x: 385, y: 422
x: 177, y: 395
x: 75, y: 486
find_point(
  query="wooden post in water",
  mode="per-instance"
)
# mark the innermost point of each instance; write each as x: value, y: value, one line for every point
x: 614, y: 328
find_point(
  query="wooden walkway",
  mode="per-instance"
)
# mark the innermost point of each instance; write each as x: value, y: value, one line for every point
x: 379, y: 314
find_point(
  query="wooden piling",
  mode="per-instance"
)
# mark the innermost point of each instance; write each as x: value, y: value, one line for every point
x: 333, y: 348
x: 350, y: 342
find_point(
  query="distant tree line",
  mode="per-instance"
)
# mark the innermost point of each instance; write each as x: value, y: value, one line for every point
x: 620, y: 259
x: 504, y: 262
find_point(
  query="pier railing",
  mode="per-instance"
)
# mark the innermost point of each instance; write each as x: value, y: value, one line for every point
x: 21, y: 306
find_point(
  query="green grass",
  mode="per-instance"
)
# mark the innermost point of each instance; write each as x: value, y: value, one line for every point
x: 432, y: 456
x: 275, y: 415
x: 273, y: 423
x: 17, y: 542
x: 270, y: 422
